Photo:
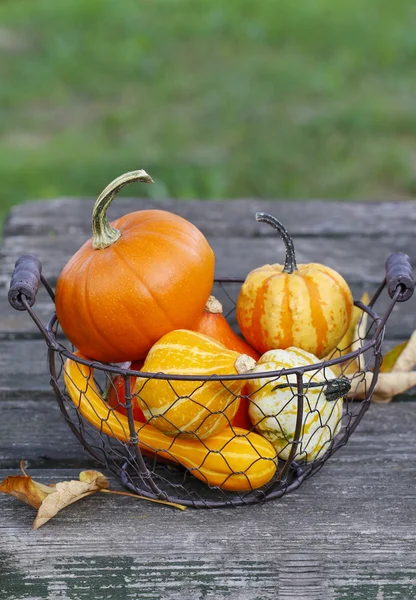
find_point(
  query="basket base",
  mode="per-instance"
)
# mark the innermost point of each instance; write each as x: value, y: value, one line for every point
x: 180, y: 487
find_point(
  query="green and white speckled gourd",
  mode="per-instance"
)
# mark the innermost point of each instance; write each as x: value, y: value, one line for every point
x: 274, y: 404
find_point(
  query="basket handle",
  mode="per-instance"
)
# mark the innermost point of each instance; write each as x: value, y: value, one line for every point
x: 25, y: 281
x: 399, y: 273
x: 27, y: 275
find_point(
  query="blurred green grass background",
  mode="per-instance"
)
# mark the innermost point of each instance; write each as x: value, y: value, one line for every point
x: 266, y: 98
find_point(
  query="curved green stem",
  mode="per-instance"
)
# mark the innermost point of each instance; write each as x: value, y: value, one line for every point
x: 103, y: 235
x: 290, y: 262
x: 334, y: 390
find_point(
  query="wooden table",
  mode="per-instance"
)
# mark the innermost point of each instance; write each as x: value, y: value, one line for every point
x: 348, y: 532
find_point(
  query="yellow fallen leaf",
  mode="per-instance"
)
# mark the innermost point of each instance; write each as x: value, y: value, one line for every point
x: 360, y: 332
x: 49, y: 500
x: 396, y: 375
x: 390, y: 358
x: 407, y: 358
x: 352, y: 341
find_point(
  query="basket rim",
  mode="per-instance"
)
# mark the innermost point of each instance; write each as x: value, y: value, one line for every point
x: 125, y: 372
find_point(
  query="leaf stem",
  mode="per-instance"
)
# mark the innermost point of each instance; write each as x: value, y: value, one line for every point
x: 173, y: 504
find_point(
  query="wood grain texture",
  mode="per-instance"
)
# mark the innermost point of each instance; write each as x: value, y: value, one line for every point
x: 357, y: 260
x: 25, y: 374
x: 19, y: 325
x: 224, y: 218
x: 348, y: 532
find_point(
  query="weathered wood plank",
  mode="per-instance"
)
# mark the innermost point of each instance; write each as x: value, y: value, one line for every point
x: 358, y: 260
x: 36, y: 430
x: 25, y: 373
x: 24, y: 369
x: 208, y: 562
x: 16, y: 325
x: 347, y: 532
x: 224, y: 218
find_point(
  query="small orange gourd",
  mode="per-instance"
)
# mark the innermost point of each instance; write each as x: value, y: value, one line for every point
x: 192, y: 408
x: 139, y: 277
x: 242, y: 416
x: 213, y: 323
x: 234, y: 459
x: 116, y: 392
x: 308, y: 306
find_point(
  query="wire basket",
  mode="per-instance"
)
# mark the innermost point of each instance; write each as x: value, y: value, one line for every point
x: 319, y: 407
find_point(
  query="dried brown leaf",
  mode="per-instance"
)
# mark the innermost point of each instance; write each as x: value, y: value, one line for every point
x: 396, y: 375
x: 94, y: 477
x: 68, y: 492
x: 25, y: 489
x: 359, y: 335
x: 388, y: 385
x: 49, y: 500
x: 406, y: 360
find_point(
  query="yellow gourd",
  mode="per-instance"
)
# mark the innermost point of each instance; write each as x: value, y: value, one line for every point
x: 191, y: 408
x: 234, y: 460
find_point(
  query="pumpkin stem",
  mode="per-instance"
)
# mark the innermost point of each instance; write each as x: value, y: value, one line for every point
x: 290, y: 262
x: 213, y: 306
x: 244, y: 363
x: 103, y: 235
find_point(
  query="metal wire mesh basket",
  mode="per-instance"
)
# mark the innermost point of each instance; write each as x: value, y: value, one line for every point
x: 319, y: 407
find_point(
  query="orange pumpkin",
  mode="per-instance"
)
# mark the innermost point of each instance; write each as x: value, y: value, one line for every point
x: 308, y: 306
x: 191, y: 408
x: 213, y: 323
x: 143, y: 275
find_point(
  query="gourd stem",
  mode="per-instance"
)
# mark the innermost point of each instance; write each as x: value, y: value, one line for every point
x: 290, y: 262
x: 244, y: 364
x: 213, y: 306
x: 103, y: 235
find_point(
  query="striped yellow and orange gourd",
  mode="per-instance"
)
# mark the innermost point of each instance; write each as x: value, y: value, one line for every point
x: 308, y: 306
x: 191, y: 408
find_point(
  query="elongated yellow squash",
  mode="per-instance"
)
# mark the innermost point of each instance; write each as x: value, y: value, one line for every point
x: 234, y: 459
x: 195, y: 409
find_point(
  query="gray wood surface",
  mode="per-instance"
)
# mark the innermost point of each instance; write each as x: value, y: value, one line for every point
x: 217, y: 218
x: 348, y: 532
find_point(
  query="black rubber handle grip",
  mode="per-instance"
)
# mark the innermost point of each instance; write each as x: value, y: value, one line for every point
x: 399, y: 273
x: 25, y: 281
